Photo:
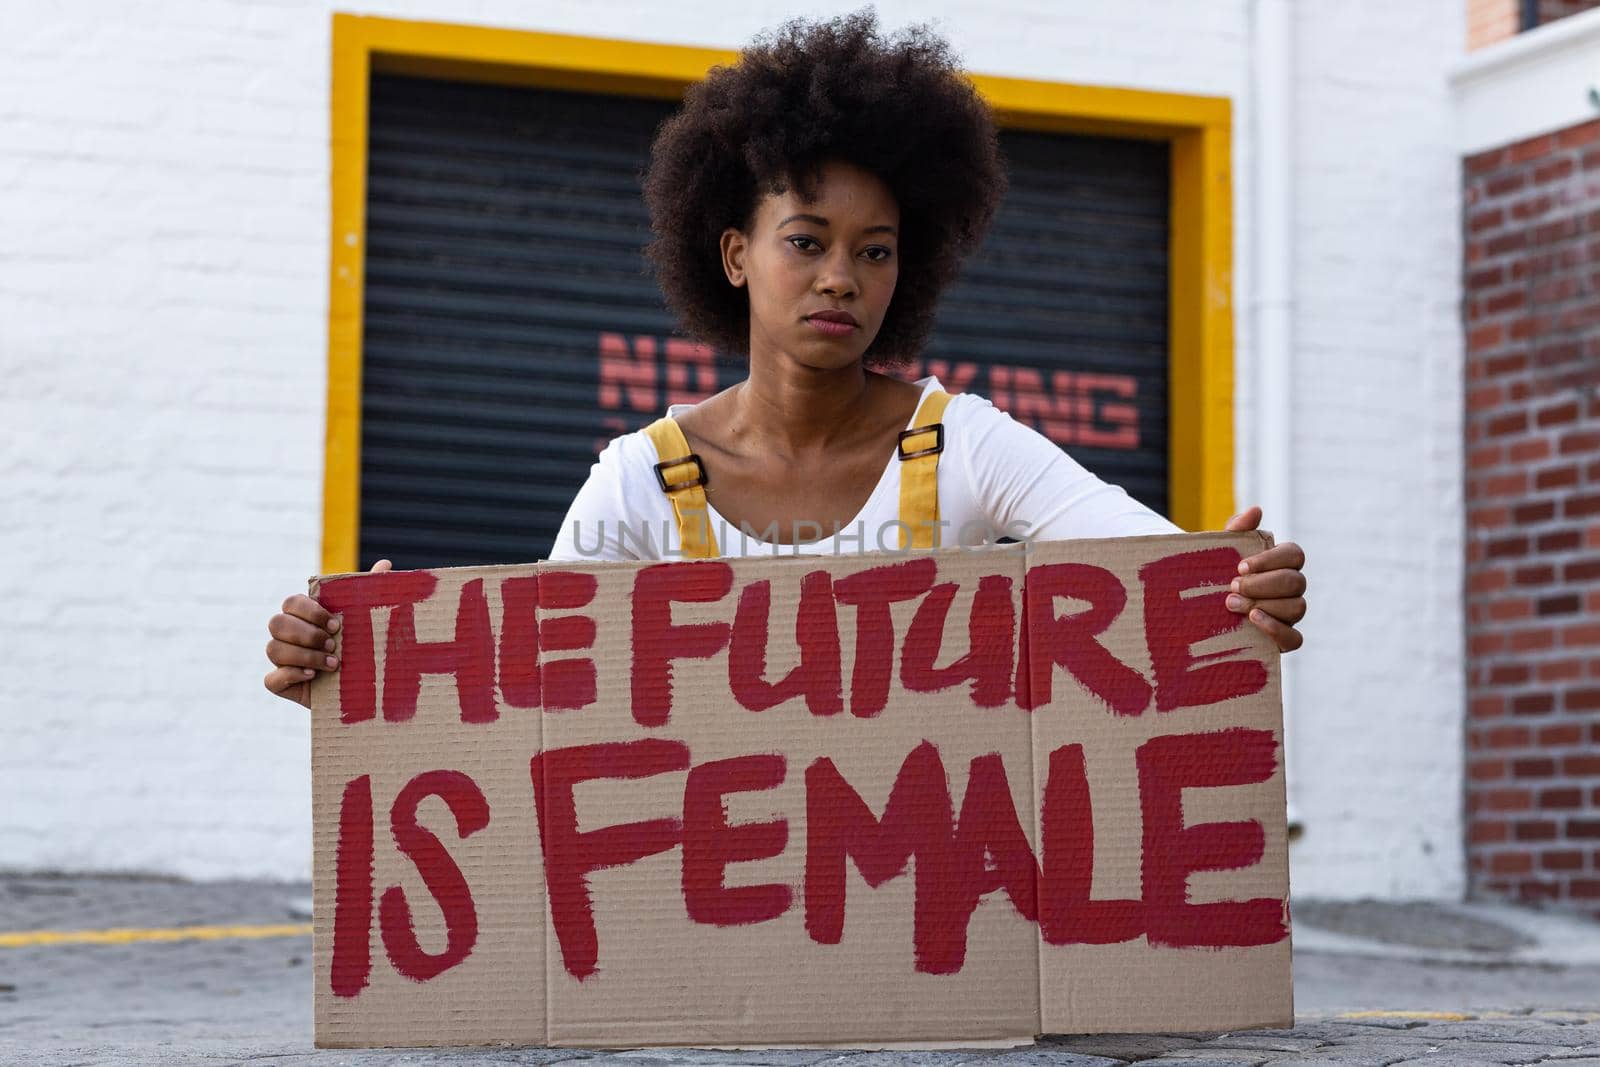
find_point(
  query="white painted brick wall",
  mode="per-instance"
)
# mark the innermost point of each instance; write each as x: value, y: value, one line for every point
x: 1378, y: 756
x: 163, y: 249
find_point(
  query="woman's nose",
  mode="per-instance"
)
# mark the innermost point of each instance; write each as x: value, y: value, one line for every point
x: 836, y: 279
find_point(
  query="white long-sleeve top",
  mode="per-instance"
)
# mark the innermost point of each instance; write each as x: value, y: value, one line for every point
x: 997, y: 478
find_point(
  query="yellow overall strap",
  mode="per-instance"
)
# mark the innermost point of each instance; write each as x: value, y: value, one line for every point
x: 919, y: 450
x: 681, y: 475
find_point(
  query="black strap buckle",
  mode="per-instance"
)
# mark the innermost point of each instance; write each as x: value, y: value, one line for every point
x: 698, y: 479
x: 938, y: 440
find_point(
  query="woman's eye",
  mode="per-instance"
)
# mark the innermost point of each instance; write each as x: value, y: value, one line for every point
x: 803, y: 243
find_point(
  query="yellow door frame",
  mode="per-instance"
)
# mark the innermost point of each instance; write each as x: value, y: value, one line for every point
x: 1198, y: 128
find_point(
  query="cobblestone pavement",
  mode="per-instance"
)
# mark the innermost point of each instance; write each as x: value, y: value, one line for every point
x: 1375, y: 984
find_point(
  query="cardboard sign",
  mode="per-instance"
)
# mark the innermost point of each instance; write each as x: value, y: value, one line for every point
x: 949, y: 796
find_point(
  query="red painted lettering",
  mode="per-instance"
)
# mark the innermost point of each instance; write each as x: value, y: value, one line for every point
x: 955, y: 377
x: 872, y: 591
x: 519, y: 641
x: 991, y: 643
x: 1034, y: 405
x: 1173, y: 622
x: 657, y: 641
x: 439, y: 873
x: 917, y: 821
x: 569, y: 856
x: 567, y: 682
x: 1000, y: 386
x: 469, y: 656
x: 682, y: 356
x: 991, y: 847
x: 556, y: 684
x: 1167, y: 766
x: 818, y: 675
x: 633, y: 370
x: 1122, y: 418
x: 710, y: 844
x: 354, y: 598
x: 1066, y: 843
x: 352, y: 891
x: 1069, y: 640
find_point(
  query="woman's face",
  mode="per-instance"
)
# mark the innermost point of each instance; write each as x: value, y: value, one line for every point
x: 840, y: 253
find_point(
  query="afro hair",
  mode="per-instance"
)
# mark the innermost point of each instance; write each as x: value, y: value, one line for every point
x: 801, y: 95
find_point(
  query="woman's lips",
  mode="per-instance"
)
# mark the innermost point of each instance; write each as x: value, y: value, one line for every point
x: 832, y: 329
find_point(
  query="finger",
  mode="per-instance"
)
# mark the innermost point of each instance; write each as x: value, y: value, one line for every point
x: 1248, y: 519
x: 293, y: 631
x: 1287, y: 555
x: 1287, y: 609
x: 281, y: 678
x: 381, y: 566
x: 303, y: 607
x: 286, y: 655
x: 1286, y: 637
x: 1279, y: 583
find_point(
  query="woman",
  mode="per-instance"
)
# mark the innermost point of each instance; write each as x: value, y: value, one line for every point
x: 810, y: 205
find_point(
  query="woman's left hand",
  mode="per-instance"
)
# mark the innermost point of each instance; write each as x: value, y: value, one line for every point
x: 1270, y: 586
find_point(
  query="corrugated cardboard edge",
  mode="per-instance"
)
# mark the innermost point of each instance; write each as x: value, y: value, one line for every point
x: 1269, y: 541
x: 313, y: 587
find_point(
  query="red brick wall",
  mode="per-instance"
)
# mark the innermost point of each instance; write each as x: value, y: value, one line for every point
x: 1489, y: 21
x: 1532, y: 309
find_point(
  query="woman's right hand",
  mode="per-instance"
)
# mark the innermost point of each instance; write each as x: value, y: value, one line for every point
x: 302, y: 644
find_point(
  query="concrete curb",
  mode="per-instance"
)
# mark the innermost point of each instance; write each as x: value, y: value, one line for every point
x: 1558, y: 940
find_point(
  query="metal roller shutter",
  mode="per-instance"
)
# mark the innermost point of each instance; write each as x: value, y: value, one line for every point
x: 1065, y: 306
x: 504, y: 229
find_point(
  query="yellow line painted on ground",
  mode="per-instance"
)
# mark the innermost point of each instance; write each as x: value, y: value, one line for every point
x: 131, y: 935
x: 1437, y: 1016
